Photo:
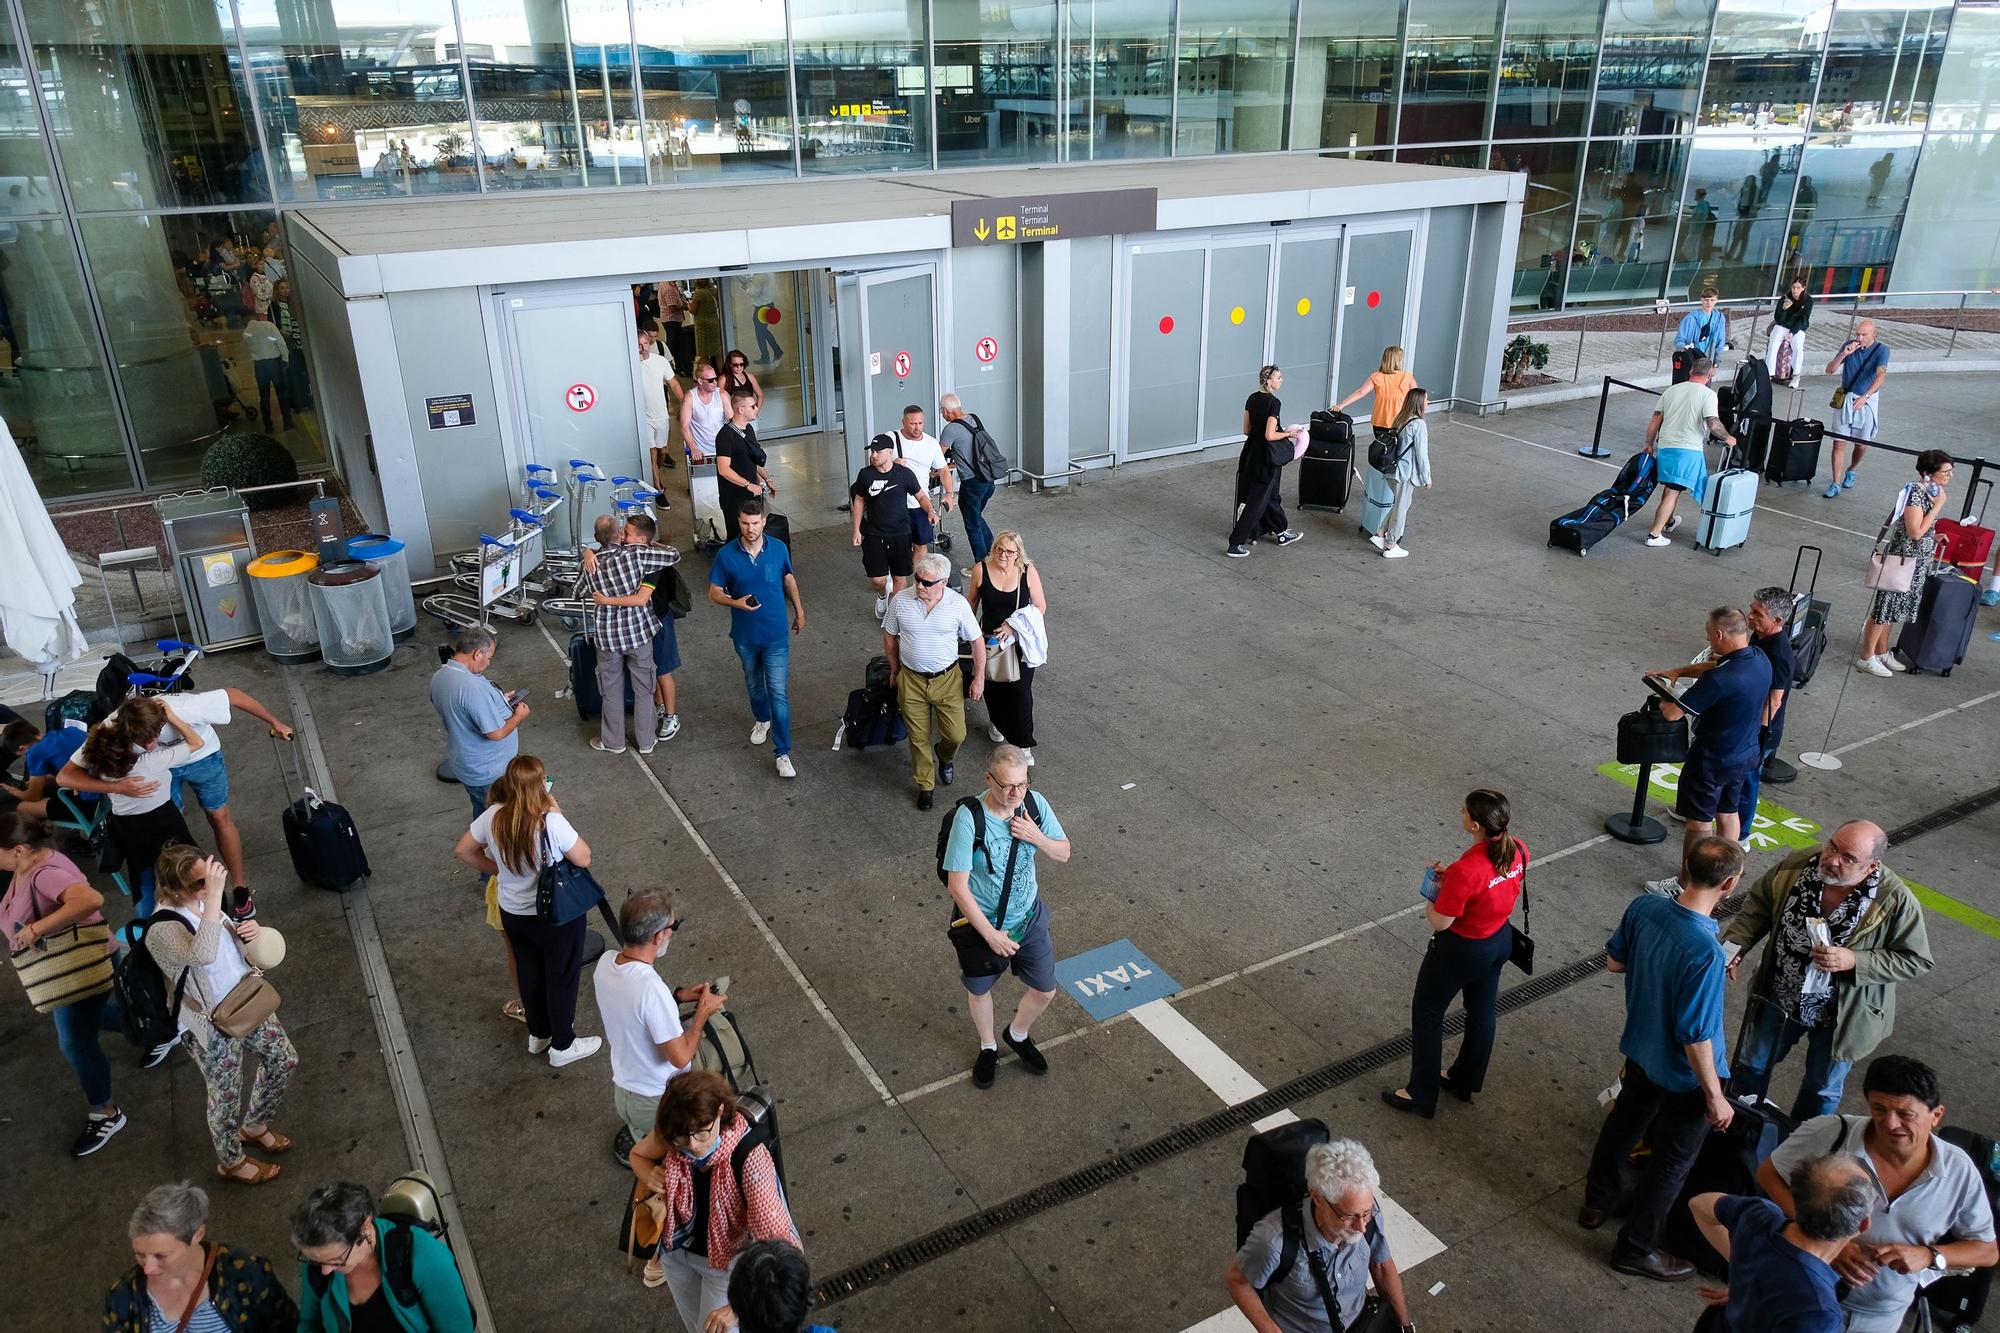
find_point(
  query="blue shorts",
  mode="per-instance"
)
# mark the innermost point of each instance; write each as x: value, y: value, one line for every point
x: 666, y: 649
x: 209, y: 777
x: 1034, y: 962
x: 922, y: 532
x: 1707, y: 787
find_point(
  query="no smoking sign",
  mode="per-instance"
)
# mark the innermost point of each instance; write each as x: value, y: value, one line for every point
x: 580, y: 397
x: 986, y: 349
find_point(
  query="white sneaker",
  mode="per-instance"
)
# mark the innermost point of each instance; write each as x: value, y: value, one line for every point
x: 1375, y: 540
x: 1659, y: 540
x: 1670, y: 887
x: 1030, y: 755
x: 1872, y: 666
x: 759, y: 732
x: 670, y: 726
x: 1394, y: 553
x: 1890, y: 660
x: 881, y: 607
x: 580, y: 1049
x: 537, y: 1045
x: 785, y: 769
x: 597, y: 744
x: 994, y: 734
x: 1673, y: 524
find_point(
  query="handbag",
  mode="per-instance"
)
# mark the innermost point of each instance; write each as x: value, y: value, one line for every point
x: 975, y: 957
x: 249, y: 1003
x: 1521, y: 949
x: 644, y: 1223
x: 1003, y: 660
x: 1839, y: 399
x: 564, y: 890
x: 65, y: 966
x: 1886, y: 572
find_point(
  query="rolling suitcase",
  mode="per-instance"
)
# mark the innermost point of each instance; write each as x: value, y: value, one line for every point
x: 1727, y: 503
x: 583, y: 679
x: 1727, y: 1163
x: 325, y: 845
x: 1792, y: 451
x: 1937, y: 639
x: 1959, y: 1300
x: 1326, y: 473
x: 1968, y: 544
x: 1375, y: 502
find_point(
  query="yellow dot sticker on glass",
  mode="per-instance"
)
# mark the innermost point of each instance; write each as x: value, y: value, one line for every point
x: 1305, y: 305
x: 1236, y: 314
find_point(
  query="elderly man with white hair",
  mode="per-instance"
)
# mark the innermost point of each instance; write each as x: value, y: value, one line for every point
x: 1336, y: 1248
x: 921, y: 632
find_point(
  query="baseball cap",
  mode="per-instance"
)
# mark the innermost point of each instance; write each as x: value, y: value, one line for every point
x: 883, y: 441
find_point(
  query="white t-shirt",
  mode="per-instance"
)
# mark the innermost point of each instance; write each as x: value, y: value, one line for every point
x: 204, y: 712
x: 639, y: 1012
x: 219, y: 977
x: 1684, y: 412
x: 517, y: 885
x: 654, y: 372
x: 923, y: 456
x: 155, y: 765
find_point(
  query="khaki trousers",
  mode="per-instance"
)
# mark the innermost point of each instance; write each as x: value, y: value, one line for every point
x: 921, y: 699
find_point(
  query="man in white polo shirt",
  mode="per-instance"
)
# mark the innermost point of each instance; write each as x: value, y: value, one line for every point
x: 642, y: 1017
x: 921, y: 632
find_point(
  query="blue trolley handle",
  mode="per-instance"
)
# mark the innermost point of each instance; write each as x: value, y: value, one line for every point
x: 140, y: 680
x: 178, y: 646
x: 532, y: 468
x: 524, y: 516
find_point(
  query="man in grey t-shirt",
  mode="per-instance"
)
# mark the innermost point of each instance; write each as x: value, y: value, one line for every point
x: 1342, y: 1231
x: 479, y: 721
x: 1931, y: 1211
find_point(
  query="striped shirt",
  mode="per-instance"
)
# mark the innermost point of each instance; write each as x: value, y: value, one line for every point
x: 927, y: 639
x: 206, y: 1319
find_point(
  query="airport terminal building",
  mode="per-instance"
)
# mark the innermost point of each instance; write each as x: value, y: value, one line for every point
x: 452, y: 193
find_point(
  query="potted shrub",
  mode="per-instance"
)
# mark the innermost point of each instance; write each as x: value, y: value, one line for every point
x: 1518, y: 358
x: 246, y: 458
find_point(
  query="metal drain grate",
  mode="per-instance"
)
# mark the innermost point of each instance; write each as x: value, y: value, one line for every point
x: 1065, y: 1189
x: 1951, y: 814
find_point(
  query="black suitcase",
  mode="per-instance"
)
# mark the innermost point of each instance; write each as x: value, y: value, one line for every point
x: 779, y: 528
x: 325, y: 845
x: 1727, y: 1163
x: 583, y: 679
x: 1326, y: 473
x: 1937, y: 639
x: 1960, y: 1300
x: 1808, y: 629
x: 1792, y: 453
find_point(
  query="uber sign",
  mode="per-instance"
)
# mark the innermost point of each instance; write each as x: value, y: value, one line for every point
x: 1054, y: 217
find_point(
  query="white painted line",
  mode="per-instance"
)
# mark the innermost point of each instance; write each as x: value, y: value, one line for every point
x: 1572, y: 849
x: 1910, y: 726
x: 735, y: 891
x: 1409, y: 1239
x: 1224, y: 1321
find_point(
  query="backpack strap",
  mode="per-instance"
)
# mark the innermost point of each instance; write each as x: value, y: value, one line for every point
x: 1292, y: 1228
x: 399, y: 1261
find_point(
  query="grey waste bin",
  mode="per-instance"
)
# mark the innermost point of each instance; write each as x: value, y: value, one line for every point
x: 352, y: 616
x: 386, y: 554
x: 284, y: 608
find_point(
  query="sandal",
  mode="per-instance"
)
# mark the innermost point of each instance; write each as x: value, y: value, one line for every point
x: 260, y: 1173
x: 655, y: 1273
x: 270, y: 1140
x: 512, y: 1009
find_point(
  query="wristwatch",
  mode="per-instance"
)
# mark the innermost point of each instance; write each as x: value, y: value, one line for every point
x: 1937, y: 1263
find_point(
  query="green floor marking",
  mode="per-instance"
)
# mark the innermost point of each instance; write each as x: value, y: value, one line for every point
x: 1963, y: 913
x: 1774, y: 825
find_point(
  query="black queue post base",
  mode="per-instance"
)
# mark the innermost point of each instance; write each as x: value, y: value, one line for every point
x: 1637, y: 827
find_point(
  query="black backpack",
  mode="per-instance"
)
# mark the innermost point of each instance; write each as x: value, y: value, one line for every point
x: 150, y: 1012
x: 871, y: 718
x: 988, y: 462
x: 1386, y: 450
x: 973, y: 803
x: 1274, y: 1178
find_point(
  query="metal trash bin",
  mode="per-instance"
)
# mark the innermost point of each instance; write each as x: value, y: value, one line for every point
x: 352, y: 616
x: 386, y: 554
x: 284, y: 608
x: 208, y: 544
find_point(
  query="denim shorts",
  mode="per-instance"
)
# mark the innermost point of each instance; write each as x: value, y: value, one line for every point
x: 1034, y: 962
x: 666, y: 649
x: 1706, y: 788
x: 209, y: 777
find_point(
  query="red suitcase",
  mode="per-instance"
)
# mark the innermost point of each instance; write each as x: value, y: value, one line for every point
x: 1968, y: 545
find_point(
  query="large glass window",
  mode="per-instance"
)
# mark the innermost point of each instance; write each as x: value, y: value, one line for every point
x: 715, y: 94
x: 1968, y: 83
x: 1735, y: 232
x: 1346, y: 85
x: 355, y: 108
x: 1545, y: 69
x: 552, y: 93
x: 1881, y: 65
x: 1861, y: 184
x: 1631, y: 193
x: 1650, y: 69
x: 206, y: 334
x: 1764, y: 63
x: 1545, y: 255
x: 996, y: 83
x: 1234, y: 78
x: 147, y: 103
x: 54, y: 394
x: 1448, y: 72
x: 1951, y: 241
x: 1120, y: 98
x: 863, y: 92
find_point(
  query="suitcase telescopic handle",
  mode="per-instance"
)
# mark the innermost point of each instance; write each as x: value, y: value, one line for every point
x: 296, y: 760
x: 1987, y: 482
x: 1798, y: 560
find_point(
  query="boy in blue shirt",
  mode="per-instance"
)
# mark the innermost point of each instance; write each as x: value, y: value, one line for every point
x: 1670, y: 1090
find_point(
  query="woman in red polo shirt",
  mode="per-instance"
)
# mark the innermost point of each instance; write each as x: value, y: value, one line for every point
x: 1471, y: 943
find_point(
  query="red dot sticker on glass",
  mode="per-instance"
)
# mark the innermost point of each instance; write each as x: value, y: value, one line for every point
x: 1166, y: 323
x: 1374, y: 299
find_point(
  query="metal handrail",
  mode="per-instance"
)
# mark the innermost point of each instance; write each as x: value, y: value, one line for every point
x: 1482, y: 404
x: 1041, y: 479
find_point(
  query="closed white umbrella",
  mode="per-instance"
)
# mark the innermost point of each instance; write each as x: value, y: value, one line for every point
x: 38, y: 596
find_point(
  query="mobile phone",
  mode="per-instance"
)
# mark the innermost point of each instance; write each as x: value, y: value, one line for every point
x: 514, y: 697
x: 753, y: 603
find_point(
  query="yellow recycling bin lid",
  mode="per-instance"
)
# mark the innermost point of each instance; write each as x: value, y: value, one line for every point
x: 282, y: 564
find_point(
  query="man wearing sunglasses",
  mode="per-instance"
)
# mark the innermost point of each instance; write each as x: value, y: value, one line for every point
x: 881, y: 497
x: 921, y: 632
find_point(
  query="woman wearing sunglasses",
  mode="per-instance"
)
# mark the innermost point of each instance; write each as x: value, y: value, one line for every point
x: 736, y: 371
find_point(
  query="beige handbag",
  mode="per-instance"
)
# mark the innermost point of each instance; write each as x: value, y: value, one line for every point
x: 1003, y: 660
x: 1886, y: 572
x: 242, y: 1011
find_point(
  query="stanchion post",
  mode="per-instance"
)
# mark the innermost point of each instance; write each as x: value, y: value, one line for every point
x: 1637, y: 827
x: 1824, y: 758
x: 1597, y: 449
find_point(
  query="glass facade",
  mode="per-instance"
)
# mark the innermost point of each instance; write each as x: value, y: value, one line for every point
x: 149, y: 152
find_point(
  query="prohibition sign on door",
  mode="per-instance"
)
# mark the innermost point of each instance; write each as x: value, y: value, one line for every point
x: 902, y: 365
x: 986, y: 349
x: 580, y: 397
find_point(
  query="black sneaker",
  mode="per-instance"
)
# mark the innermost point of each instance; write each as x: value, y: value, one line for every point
x: 158, y: 1055
x: 1287, y: 537
x: 241, y: 906
x: 1237, y: 552
x: 1030, y: 1054
x: 945, y: 774
x: 983, y: 1067
x: 622, y: 1145
x: 98, y: 1130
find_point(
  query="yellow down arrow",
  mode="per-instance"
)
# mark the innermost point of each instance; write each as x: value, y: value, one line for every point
x: 981, y: 230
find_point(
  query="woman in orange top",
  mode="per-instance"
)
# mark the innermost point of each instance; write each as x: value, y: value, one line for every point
x: 1390, y: 385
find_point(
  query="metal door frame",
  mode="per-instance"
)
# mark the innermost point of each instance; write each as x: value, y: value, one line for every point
x: 517, y: 445
x: 851, y: 310
x: 1417, y: 224
x: 801, y: 291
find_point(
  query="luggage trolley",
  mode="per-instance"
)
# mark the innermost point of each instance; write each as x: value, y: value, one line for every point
x: 497, y: 578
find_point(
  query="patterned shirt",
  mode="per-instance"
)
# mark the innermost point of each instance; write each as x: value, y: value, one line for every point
x: 1794, y: 942
x: 620, y: 572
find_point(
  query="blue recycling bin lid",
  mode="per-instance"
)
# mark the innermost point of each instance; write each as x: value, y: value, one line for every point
x: 373, y: 546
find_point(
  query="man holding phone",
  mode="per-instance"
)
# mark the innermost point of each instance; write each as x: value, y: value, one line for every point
x: 479, y: 721
x: 752, y: 576
x: 1862, y: 364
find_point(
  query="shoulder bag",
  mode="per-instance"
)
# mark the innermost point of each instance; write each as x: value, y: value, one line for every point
x: 644, y: 1224
x: 249, y: 1003
x: 565, y: 890
x: 1886, y: 572
x: 1003, y: 660
x: 1521, y: 950
x: 975, y: 957
x: 64, y: 966
x: 1847, y: 385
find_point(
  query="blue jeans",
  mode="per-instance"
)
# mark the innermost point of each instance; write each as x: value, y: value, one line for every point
x: 1748, y: 814
x: 764, y: 670
x: 477, y: 796
x: 77, y: 1029
x: 972, y: 497
x: 1770, y: 1039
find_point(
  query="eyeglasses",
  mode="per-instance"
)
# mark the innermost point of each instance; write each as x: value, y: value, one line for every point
x: 674, y: 924
x: 928, y: 583
x: 341, y: 1262
x: 738, y: 365
x: 998, y: 785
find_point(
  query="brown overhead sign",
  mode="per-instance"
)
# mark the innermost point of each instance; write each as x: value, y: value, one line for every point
x: 1054, y: 217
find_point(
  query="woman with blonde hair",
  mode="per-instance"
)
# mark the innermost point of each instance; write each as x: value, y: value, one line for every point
x: 521, y: 830
x: 1003, y: 583
x: 1390, y: 385
x: 204, y: 964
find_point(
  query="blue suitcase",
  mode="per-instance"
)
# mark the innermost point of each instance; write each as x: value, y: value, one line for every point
x: 1375, y: 503
x: 1727, y: 503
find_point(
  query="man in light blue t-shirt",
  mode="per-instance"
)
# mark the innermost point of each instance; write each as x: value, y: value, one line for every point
x: 1013, y: 824
x: 479, y: 721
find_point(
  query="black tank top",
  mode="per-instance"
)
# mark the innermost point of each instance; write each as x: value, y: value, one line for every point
x: 995, y: 606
